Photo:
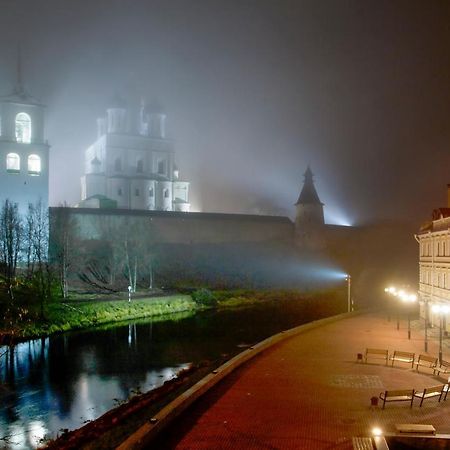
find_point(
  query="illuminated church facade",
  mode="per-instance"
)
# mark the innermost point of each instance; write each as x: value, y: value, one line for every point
x: 24, y: 151
x: 132, y: 166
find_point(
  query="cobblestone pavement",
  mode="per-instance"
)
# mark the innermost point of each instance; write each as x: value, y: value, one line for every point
x: 309, y: 392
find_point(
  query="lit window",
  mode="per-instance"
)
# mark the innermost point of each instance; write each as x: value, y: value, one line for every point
x: 150, y: 192
x: 140, y: 166
x: 34, y: 164
x: 23, y: 128
x: 12, y: 162
x: 118, y: 165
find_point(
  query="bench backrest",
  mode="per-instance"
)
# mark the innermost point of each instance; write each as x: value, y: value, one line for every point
x: 433, y: 389
x: 430, y: 359
x: 377, y: 351
x: 399, y: 393
x: 404, y: 354
x: 445, y: 363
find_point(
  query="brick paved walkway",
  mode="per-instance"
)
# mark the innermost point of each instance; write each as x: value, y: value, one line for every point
x: 309, y: 392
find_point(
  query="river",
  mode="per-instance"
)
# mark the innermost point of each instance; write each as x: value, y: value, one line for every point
x: 48, y: 385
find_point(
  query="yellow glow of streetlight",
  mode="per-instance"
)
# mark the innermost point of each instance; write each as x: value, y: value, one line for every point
x: 376, y: 431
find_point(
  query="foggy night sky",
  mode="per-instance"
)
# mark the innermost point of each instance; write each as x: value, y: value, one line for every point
x: 254, y: 91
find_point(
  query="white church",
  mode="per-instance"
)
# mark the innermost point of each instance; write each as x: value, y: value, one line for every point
x: 24, y: 151
x: 132, y: 165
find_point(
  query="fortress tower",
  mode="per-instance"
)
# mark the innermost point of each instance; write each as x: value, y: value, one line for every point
x: 309, y: 220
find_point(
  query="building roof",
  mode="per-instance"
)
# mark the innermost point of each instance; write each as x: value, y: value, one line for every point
x: 308, y: 195
x: 441, y: 213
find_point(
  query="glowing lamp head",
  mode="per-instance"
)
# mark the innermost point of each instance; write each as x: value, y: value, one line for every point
x: 376, y: 431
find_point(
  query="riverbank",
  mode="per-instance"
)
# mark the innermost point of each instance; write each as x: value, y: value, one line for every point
x: 86, y: 312
x: 70, y: 315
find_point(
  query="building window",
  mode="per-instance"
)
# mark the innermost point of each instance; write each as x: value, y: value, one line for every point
x: 23, y: 128
x: 140, y: 166
x: 13, y: 162
x: 150, y: 192
x: 118, y: 165
x: 136, y: 192
x: 34, y: 165
x: 166, y: 193
x: 119, y: 192
x: 161, y: 167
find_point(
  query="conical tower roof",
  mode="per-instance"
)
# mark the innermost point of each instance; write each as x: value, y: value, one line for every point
x: 308, y: 195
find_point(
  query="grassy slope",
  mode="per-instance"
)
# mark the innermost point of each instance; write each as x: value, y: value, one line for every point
x: 76, y: 315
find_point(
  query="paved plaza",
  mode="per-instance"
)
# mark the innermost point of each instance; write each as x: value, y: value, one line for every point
x: 309, y: 392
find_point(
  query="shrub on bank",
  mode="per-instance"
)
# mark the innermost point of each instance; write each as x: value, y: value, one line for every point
x: 204, y: 297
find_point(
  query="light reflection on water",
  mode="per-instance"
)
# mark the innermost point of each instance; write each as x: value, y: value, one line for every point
x: 56, y: 383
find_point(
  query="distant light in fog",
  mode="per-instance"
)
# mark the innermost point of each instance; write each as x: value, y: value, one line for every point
x: 325, y: 273
x: 334, y: 216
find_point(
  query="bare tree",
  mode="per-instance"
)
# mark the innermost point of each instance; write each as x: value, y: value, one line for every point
x: 64, y: 246
x: 11, y: 231
x: 38, y: 235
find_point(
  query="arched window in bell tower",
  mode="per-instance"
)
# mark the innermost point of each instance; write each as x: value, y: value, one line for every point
x: 13, y: 162
x: 34, y: 165
x: 23, y: 128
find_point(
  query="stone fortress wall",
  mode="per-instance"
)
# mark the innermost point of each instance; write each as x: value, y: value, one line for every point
x: 172, y: 227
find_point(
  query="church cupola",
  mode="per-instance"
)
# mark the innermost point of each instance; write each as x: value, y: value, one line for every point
x: 309, y: 207
x: 117, y: 116
x: 152, y: 120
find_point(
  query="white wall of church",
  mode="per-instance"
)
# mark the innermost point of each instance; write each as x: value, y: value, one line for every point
x: 137, y: 169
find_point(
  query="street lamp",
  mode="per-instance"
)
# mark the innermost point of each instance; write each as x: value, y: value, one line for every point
x: 405, y: 297
x: 349, y: 296
x: 393, y: 291
x: 408, y: 298
x: 425, y: 300
x: 441, y: 310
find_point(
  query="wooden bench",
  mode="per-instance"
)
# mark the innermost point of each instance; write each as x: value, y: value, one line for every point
x: 406, y: 357
x: 434, y: 391
x: 443, y: 367
x: 376, y: 353
x: 430, y: 362
x: 399, y: 395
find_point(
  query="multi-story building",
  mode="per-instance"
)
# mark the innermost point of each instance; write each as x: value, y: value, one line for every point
x: 132, y: 166
x: 434, y: 262
x: 24, y: 151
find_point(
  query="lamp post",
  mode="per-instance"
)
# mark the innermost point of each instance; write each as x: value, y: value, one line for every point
x: 441, y: 310
x: 409, y: 298
x: 405, y: 297
x: 349, y: 296
x: 426, y: 324
x: 393, y: 291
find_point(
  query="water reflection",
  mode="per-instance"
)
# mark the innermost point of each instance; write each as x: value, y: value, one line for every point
x: 60, y: 382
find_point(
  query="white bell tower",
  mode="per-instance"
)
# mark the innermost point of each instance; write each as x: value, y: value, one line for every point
x: 24, y: 152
